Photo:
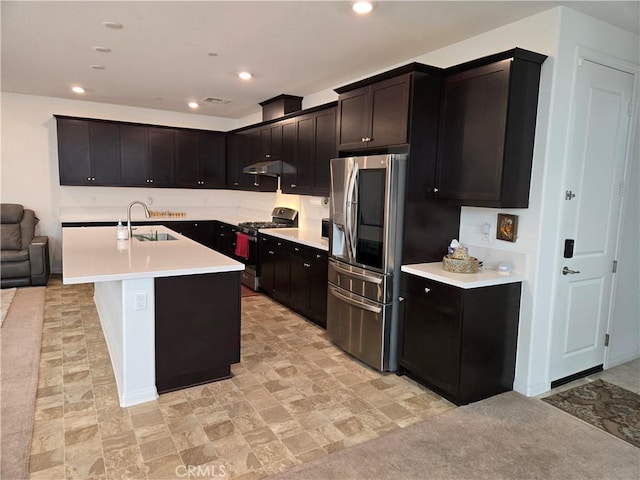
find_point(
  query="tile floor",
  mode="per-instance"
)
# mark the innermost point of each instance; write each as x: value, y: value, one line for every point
x: 294, y: 397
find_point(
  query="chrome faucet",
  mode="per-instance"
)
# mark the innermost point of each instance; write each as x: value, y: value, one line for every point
x: 146, y: 214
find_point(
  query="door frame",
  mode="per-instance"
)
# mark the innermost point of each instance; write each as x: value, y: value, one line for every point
x: 589, y: 54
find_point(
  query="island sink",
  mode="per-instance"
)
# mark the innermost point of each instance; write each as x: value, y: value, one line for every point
x: 153, y: 237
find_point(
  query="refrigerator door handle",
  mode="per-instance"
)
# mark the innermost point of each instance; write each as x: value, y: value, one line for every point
x: 360, y: 276
x: 351, y: 205
x: 355, y: 303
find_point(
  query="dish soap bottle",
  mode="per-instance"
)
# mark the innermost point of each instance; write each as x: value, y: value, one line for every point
x: 121, y: 231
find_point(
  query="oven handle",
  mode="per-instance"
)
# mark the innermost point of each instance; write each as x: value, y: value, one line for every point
x: 360, y: 276
x: 250, y: 237
x: 355, y: 303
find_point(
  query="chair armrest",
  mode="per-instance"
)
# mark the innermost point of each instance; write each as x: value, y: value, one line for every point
x: 39, y: 260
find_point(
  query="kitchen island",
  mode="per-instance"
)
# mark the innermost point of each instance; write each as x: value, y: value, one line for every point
x: 169, y: 307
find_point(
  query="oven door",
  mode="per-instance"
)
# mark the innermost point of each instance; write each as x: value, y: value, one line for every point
x: 359, y: 326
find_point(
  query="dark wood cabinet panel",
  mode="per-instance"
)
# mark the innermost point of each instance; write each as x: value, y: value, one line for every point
x: 459, y: 342
x: 203, y: 344
x: 308, y: 147
x: 203, y: 232
x: 226, y: 239
x: 88, y: 152
x: 488, y: 118
x: 105, y: 153
x: 187, y: 165
x: 375, y: 115
x: 162, y: 156
x: 295, y: 275
x: 134, y: 152
x: 212, y: 159
x: 200, y: 159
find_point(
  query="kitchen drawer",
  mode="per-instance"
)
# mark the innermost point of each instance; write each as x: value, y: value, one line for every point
x: 431, y: 290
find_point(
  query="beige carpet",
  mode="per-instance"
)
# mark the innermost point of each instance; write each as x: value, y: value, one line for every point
x: 504, y: 437
x: 20, y: 339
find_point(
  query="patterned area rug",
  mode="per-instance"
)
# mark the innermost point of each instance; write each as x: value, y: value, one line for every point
x: 6, y: 297
x: 604, y: 405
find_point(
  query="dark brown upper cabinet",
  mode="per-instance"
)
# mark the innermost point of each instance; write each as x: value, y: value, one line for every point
x: 303, y: 141
x: 308, y: 145
x: 88, y: 152
x: 200, y: 159
x: 374, y: 115
x: 487, y: 128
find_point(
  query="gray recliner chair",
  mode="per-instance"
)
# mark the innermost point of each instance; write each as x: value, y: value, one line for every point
x: 24, y: 257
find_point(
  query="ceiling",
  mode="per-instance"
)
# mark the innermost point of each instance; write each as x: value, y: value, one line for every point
x: 170, y: 53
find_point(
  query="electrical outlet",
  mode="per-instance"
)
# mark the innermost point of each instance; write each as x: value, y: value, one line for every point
x: 486, y: 230
x: 141, y: 301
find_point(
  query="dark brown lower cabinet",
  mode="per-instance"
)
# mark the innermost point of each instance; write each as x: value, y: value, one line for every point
x: 197, y: 334
x: 295, y: 275
x: 461, y: 343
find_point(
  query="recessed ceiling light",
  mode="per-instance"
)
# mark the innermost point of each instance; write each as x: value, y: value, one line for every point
x: 114, y: 25
x: 245, y: 75
x: 193, y: 105
x: 97, y: 67
x: 362, y: 8
x: 102, y: 49
x: 77, y: 89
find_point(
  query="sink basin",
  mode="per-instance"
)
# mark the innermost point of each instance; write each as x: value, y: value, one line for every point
x: 153, y: 237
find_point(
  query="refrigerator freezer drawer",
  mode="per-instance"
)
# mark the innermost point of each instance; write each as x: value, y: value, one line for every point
x: 359, y: 326
x: 371, y: 285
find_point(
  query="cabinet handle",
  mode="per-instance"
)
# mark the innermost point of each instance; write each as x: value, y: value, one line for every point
x: 366, y: 139
x: 436, y: 190
x: 267, y: 156
x: 271, y: 252
x: 296, y: 249
x: 293, y: 185
x: 235, y: 184
x: 221, y: 235
x: 427, y: 290
x: 307, y: 265
x: 151, y: 181
x: 279, y: 244
x: 256, y: 184
x: 89, y: 178
x: 318, y: 256
x: 401, y: 299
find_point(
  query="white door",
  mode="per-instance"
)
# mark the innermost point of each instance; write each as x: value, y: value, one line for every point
x: 590, y: 216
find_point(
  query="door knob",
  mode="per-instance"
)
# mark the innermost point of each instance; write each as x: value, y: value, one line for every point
x: 567, y: 271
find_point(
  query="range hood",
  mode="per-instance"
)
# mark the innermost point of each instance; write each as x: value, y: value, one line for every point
x: 272, y: 168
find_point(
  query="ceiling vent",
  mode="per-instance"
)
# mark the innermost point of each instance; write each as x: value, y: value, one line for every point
x: 214, y: 100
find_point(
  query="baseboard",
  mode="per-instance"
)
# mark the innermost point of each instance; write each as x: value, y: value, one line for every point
x: 141, y: 396
x: 615, y: 361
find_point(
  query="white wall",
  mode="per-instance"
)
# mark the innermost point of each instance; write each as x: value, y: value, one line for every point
x: 29, y: 174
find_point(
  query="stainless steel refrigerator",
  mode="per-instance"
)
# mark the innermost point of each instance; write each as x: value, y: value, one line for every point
x: 365, y: 241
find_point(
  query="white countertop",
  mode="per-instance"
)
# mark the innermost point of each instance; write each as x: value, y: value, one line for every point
x: 486, y: 278
x: 311, y: 238
x: 92, y: 254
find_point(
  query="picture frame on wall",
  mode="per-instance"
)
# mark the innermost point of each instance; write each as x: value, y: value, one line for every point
x: 507, y: 227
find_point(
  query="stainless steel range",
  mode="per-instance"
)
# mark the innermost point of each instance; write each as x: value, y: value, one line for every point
x: 281, y: 217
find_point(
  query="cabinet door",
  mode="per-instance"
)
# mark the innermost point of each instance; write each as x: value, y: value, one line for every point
x: 211, y: 159
x: 389, y: 112
x: 187, y: 168
x: 105, y: 153
x: 305, y: 154
x: 74, y: 152
x: 289, y: 180
x: 282, y: 271
x: 234, y: 163
x: 353, y: 117
x: 325, y: 150
x: 226, y: 241
x: 431, y: 333
x: 161, y: 156
x: 267, y: 256
x: 300, y: 279
x: 472, y: 134
x: 134, y: 148
x: 318, y: 288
